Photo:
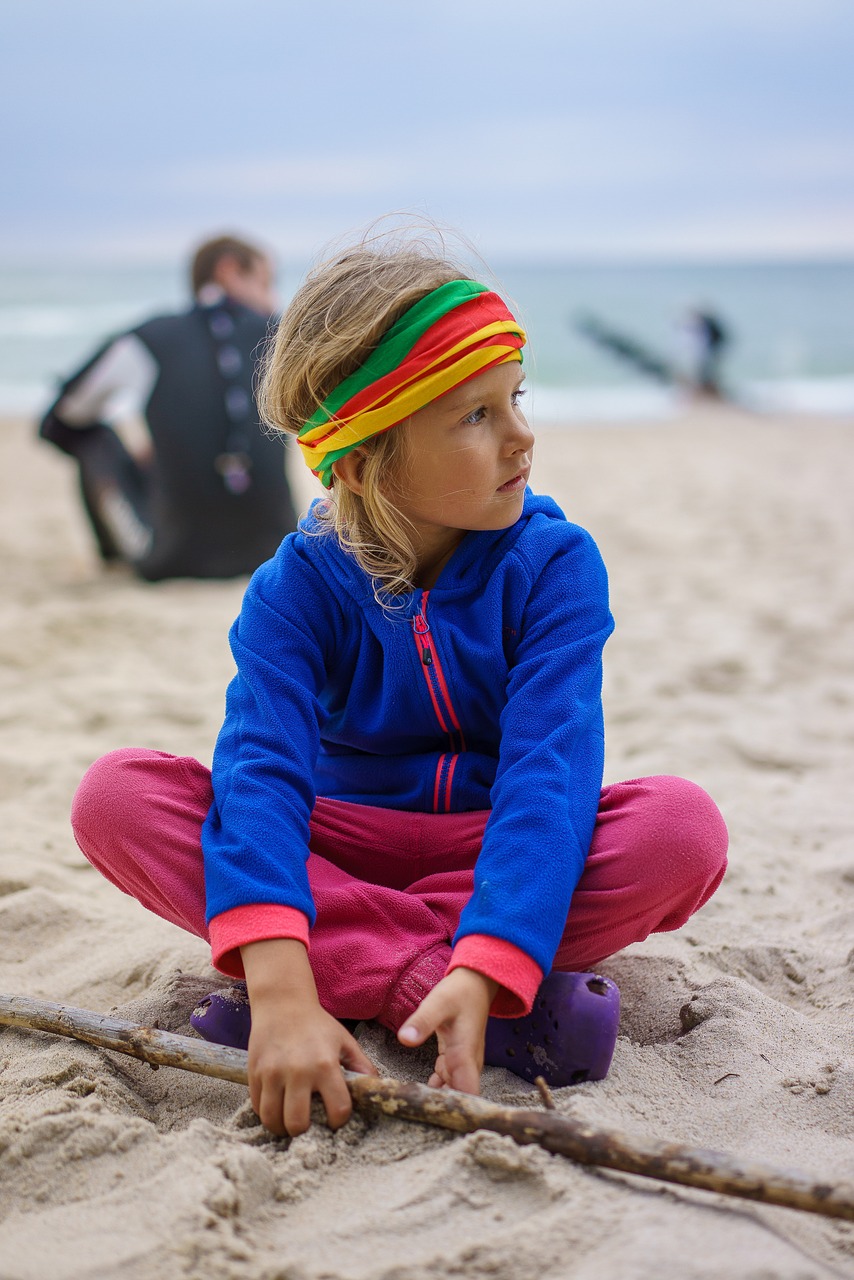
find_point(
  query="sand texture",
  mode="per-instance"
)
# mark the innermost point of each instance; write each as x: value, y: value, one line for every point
x: 730, y: 544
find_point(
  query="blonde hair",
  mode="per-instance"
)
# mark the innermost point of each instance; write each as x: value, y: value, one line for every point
x: 335, y: 319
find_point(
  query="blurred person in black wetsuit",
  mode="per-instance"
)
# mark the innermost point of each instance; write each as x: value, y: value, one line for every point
x: 207, y: 496
x: 707, y: 339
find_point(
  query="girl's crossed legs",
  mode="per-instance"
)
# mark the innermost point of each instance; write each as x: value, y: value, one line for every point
x: 390, y: 885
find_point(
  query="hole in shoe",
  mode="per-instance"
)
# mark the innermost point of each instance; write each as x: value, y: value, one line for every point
x: 598, y: 986
x: 569, y: 1037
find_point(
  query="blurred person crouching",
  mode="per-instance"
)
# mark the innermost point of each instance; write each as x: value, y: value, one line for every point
x: 206, y: 495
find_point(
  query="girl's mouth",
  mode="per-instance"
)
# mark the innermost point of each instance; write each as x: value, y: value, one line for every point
x: 518, y: 482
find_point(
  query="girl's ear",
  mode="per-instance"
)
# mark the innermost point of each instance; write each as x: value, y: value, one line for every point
x: 349, y: 469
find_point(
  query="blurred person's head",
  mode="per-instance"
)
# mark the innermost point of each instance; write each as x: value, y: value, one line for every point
x: 242, y: 270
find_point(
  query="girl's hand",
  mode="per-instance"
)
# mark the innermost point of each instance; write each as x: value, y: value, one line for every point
x: 295, y: 1047
x: 456, y: 1010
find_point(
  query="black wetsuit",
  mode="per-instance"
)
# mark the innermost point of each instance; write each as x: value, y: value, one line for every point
x: 713, y: 338
x: 214, y: 501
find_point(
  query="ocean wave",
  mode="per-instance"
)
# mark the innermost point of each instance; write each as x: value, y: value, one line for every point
x: 802, y: 395
x: 90, y: 321
x: 554, y: 406
x: 641, y: 403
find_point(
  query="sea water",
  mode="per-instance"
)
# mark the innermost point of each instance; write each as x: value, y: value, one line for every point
x: 791, y: 329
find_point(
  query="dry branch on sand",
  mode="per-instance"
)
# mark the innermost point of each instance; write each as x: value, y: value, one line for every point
x: 460, y: 1112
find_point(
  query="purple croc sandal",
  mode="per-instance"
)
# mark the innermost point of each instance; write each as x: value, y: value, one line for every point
x: 224, y: 1017
x: 567, y: 1038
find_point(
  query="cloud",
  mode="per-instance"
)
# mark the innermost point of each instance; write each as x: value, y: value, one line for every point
x: 652, y: 158
x: 564, y: 124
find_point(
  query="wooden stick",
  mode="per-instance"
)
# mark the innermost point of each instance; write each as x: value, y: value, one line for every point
x: 545, y: 1093
x: 460, y: 1112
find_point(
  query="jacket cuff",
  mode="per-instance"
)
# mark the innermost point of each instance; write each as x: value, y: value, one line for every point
x: 252, y: 922
x: 518, y: 976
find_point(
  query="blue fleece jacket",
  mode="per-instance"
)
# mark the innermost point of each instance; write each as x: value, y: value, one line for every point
x: 483, y: 693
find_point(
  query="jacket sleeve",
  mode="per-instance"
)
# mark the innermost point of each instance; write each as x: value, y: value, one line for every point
x: 255, y: 837
x: 546, y: 791
x: 122, y: 373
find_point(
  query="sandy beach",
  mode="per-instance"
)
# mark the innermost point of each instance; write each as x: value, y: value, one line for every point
x: 730, y: 545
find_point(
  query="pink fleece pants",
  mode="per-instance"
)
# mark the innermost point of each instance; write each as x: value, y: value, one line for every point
x: 390, y: 884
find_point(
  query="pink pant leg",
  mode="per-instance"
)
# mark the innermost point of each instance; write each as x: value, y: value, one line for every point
x: 137, y: 815
x: 375, y: 951
x: 658, y: 853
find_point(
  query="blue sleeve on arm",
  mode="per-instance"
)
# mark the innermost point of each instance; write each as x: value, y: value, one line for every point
x: 546, y: 792
x: 255, y: 837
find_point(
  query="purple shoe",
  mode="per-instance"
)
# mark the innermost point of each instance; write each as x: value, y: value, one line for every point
x: 567, y: 1038
x: 224, y: 1017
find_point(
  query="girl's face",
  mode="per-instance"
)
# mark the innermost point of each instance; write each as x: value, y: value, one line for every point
x: 465, y: 464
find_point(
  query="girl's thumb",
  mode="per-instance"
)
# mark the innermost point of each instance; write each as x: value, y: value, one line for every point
x: 415, y: 1029
x: 412, y: 1034
x: 421, y: 1024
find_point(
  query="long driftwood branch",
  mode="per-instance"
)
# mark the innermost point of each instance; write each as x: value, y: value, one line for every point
x: 461, y: 1112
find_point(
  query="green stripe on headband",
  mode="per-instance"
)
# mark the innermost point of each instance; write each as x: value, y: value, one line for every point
x: 395, y: 344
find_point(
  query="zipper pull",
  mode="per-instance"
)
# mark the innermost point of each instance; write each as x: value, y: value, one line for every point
x: 421, y: 627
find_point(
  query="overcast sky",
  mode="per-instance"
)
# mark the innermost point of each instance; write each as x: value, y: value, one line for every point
x: 571, y: 128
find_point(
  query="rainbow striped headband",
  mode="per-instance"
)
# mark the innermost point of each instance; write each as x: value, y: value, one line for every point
x: 454, y: 333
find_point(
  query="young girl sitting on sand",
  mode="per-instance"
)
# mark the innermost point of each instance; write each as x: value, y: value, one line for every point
x: 405, y: 820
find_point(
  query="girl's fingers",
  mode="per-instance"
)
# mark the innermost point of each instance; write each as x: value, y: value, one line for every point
x: 293, y: 1103
x: 336, y: 1100
x: 465, y: 1076
x: 297, y: 1109
x: 281, y: 1094
x: 255, y: 1093
x: 270, y: 1107
x: 354, y: 1059
x: 440, y: 1072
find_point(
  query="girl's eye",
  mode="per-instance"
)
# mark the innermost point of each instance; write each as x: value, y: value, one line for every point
x: 478, y: 415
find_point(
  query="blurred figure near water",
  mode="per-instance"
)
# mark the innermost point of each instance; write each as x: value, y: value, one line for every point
x: 706, y: 338
x: 205, y: 495
x: 698, y: 372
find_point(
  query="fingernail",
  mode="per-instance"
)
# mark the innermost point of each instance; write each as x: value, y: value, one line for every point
x: 409, y: 1034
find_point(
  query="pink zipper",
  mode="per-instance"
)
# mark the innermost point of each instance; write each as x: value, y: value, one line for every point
x: 440, y: 697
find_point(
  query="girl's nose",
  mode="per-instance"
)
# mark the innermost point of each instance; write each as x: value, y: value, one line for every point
x: 520, y: 437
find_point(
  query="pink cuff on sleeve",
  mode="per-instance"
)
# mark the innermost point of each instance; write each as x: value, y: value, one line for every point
x: 253, y: 922
x: 518, y: 975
